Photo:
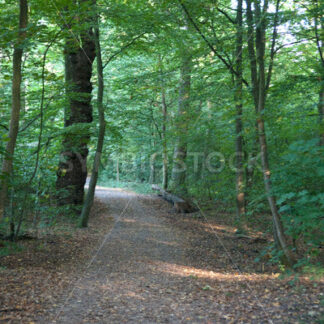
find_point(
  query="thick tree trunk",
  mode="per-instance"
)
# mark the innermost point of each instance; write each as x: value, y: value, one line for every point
x: 101, y: 135
x: 68, y: 81
x: 240, y: 191
x: 180, y: 150
x: 7, y: 165
x: 72, y: 173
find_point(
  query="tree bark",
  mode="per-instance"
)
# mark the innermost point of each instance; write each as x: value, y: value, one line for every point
x: 180, y: 150
x: 117, y: 170
x: 7, y: 165
x: 257, y: 65
x: 101, y: 134
x: 72, y: 173
x: 240, y: 191
x: 153, y: 125
x: 163, y: 133
x: 165, y: 170
x: 321, y: 111
x: 152, y: 167
x: 319, y: 33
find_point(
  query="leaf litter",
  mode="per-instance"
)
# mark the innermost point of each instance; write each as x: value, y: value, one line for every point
x: 155, y: 267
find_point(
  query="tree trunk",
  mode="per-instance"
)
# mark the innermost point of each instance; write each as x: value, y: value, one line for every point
x: 7, y: 165
x: 164, y: 108
x: 278, y: 227
x: 68, y: 81
x: 152, y: 167
x: 152, y: 164
x: 101, y: 135
x: 257, y: 64
x: 240, y: 191
x: 72, y: 173
x: 250, y: 170
x: 164, y: 142
x: 117, y: 170
x: 321, y: 93
x: 321, y: 112
x: 180, y: 150
x: 319, y: 34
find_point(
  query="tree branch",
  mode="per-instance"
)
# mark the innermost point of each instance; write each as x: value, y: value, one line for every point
x: 228, y: 66
x: 226, y: 15
x: 4, y: 127
x: 123, y: 48
x: 288, y: 44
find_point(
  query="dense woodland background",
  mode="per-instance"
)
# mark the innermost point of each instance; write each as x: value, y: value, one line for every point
x: 220, y: 102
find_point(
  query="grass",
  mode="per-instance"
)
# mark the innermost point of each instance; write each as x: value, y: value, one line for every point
x: 315, y: 272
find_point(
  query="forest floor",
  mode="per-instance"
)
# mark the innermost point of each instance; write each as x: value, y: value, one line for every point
x: 141, y: 263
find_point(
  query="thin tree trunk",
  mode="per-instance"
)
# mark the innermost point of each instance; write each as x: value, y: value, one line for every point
x: 252, y: 56
x: 250, y: 159
x: 153, y: 148
x: 152, y: 167
x: 164, y: 142
x: 23, y: 96
x: 278, y: 227
x: 7, y: 165
x: 319, y: 33
x: 240, y: 191
x: 202, y: 165
x: 321, y: 112
x: 180, y: 150
x: 72, y: 173
x: 117, y: 170
x: 259, y: 83
x: 68, y: 81
x: 101, y: 135
x: 255, y: 92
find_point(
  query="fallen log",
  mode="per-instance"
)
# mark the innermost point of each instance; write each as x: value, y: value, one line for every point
x: 180, y: 205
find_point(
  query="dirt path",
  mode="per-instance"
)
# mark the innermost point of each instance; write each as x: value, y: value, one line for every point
x: 154, y: 267
x: 124, y: 284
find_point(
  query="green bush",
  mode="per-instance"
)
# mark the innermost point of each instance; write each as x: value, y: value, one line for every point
x: 299, y: 186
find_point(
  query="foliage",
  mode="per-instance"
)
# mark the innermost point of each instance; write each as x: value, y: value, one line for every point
x: 142, y: 48
x: 301, y: 197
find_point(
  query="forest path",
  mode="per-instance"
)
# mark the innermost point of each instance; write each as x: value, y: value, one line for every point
x: 148, y: 270
x: 128, y: 280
